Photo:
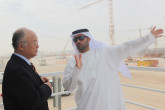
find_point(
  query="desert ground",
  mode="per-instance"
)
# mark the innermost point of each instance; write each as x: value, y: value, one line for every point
x: 148, y: 79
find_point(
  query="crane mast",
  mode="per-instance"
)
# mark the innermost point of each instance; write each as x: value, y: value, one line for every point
x: 111, y: 22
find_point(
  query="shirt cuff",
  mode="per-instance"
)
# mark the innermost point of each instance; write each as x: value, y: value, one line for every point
x: 152, y: 37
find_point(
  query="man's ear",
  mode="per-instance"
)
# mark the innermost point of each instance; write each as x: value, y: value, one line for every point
x: 20, y: 46
x: 89, y: 39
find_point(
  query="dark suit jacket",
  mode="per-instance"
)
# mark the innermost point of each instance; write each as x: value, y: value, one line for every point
x: 22, y: 88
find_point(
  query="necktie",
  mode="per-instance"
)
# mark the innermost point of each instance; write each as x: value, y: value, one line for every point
x: 33, y: 67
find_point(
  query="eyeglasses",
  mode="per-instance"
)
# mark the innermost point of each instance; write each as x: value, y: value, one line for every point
x: 80, y: 38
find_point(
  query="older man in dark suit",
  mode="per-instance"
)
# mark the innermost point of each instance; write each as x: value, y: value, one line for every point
x: 22, y: 87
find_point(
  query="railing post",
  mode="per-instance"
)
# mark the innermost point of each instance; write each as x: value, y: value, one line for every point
x: 54, y: 91
x: 57, y: 88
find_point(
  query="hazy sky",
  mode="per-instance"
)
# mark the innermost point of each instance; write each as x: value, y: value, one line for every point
x: 54, y: 20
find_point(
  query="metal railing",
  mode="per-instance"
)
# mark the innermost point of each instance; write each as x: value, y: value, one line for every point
x: 158, y: 69
x: 141, y: 105
x: 145, y: 88
x: 57, y: 84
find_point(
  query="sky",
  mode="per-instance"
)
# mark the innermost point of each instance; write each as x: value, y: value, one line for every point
x: 54, y: 20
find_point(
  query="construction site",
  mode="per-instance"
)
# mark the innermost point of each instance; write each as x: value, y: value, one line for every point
x: 144, y: 91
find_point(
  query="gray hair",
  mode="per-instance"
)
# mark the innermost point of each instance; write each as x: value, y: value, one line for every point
x: 17, y: 38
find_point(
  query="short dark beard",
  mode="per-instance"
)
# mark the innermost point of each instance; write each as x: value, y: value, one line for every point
x: 84, y: 47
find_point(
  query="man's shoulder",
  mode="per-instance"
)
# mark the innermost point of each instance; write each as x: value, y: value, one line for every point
x: 14, y: 65
x: 105, y: 48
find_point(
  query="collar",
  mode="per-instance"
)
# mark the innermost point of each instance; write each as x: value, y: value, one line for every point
x: 24, y: 58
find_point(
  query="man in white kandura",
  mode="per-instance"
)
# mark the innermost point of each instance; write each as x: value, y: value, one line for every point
x: 94, y: 70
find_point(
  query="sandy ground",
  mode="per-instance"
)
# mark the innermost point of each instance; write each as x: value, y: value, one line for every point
x: 148, y: 79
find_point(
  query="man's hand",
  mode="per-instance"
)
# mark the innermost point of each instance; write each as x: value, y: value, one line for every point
x: 49, y: 84
x: 78, y: 61
x: 157, y: 33
x: 44, y: 79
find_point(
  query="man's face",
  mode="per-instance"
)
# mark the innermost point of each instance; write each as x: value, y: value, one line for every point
x: 31, y: 46
x: 82, y: 42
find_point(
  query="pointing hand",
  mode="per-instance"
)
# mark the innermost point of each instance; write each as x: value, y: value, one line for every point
x: 157, y: 33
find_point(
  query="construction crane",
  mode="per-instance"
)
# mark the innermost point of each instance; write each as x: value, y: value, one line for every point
x: 91, y: 4
x: 65, y: 46
x: 111, y: 24
x: 111, y: 20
